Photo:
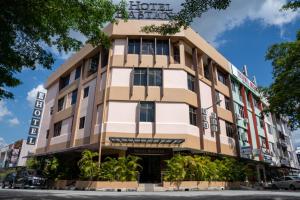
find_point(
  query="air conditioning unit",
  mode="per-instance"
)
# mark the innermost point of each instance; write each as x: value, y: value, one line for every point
x: 204, y: 111
x: 213, y: 115
x: 237, y: 116
x: 205, y: 125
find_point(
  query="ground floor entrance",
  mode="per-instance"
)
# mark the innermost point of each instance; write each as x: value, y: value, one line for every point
x: 152, y: 162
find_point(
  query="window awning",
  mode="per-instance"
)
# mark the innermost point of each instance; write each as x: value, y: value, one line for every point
x: 146, y: 140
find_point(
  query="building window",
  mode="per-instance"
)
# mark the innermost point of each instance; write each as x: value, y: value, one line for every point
x: 81, y: 122
x: 77, y: 73
x: 93, y: 65
x: 57, y: 128
x: 60, y: 104
x: 233, y: 86
x: 240, y: 94
x: 261, y: 122
x: 134, y: 46
x: 218, y: 100
x: 193, y: 115
x: 86, y: 92
x: 176, y: 54
x: 263, y: 142
x: 51, y: 110
x: 104, y: 58
x: 148, y: 47
x: 206, y: 72
x: 229, y: 130
x: 162, y: 47
x: 241, y: 111
x: 74, y: 97
x: 191, y: 82
x: 227, y: 103
x: 140, y: 76
x: 255, y: 101
x: 222, y: 77
x: 155, y: 77
x: 64, y: 81
x: 269, y: 129
x: 147, y: 112
x: 47, y: 134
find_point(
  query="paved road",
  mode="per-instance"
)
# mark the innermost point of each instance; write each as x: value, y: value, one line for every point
x: 9, y: 194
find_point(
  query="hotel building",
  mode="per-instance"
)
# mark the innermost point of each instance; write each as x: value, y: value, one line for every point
x: 152, y: 96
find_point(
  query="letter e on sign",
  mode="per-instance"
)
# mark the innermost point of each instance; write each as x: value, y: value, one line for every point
x: 33, y: 131
x: 40, y: 96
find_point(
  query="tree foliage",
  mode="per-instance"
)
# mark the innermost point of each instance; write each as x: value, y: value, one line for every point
x: 284, y: 93
x: 89, y: 168
x: 190, y: 10
x: 201, y: 168
x: 27, y: 25
x: 121, y: 169
x: 293, y: 4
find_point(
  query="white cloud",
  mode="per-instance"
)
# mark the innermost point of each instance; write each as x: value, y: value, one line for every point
x: 4, y: 110
x: 214, y: 23
x: 31, y: 95
x: 2, y: 142
x: 14, y: 121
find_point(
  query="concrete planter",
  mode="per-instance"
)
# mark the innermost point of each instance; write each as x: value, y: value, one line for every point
x: 201, y: 185
x: 102, y: 185
x: 63, y: 184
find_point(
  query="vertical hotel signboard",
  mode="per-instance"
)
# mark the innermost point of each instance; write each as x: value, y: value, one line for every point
x: 36, y: 118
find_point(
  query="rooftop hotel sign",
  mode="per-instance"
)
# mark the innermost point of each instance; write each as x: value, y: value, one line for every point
x: 244, y: 79
x: 142, y: 10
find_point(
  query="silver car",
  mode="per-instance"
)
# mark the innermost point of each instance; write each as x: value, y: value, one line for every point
x: 287, y: 182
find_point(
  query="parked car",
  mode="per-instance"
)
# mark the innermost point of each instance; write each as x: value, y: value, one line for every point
x: 9, y: 180
x: 287, y: 182
x: 29, y: 179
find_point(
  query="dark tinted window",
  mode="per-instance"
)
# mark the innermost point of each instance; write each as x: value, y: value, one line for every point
x: 147, y: 47
x: 64, y: 81
x: 104, y: 58
x: 222, y: 77
x: 162, y: 47
x: 86, y: 92
x: 74, y: 97
x: 176, y: 54
x: 229, y: 130
x: 134, y: 46
x: 193, y: 115
x: 147, y: 112
x: 227, y: 103
x: 94, y: 62
x: 81, y: 122
x: 77, y: 73
x: 155, y: 76
x: 206, y: 72
x: 60, y: 104
x: 57, y: 129
x: 140, y: 76
x: 191, y: 82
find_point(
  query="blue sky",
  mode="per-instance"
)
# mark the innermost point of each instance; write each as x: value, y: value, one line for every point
x: 242, y: 33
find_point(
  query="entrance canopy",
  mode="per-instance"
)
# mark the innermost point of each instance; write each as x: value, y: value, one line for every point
x: 146, y: 140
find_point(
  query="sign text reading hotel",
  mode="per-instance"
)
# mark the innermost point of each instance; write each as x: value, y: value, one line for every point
x: 139, y: 10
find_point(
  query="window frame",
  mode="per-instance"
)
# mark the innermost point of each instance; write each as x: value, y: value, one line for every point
x: 147, y: 111
x: 57, y: 129
x: 81, y: 122
x: 193, y: 115
x: 86, y: 91
x: 191, y: 82
x: 148, y: 47
x: 74, y: 96
x: 77, y: 72
x: 162, y: 47
x: 134, y: 46
x: 229, y: 129
x: 157, y: 77
x: 60, y: 104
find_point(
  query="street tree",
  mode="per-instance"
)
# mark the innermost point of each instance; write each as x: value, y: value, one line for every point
x: 284, y: 93
x: 28, y: 25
